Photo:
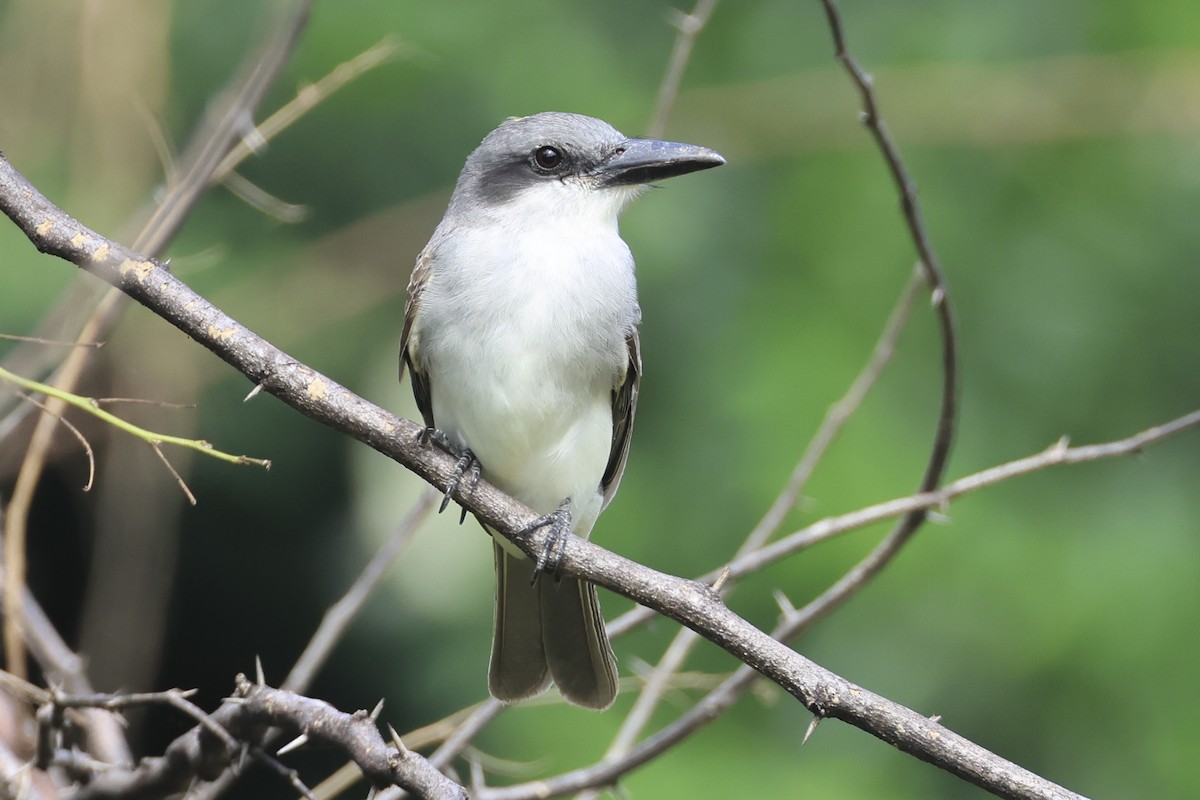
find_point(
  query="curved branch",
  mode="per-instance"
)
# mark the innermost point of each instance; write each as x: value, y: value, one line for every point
x: 943, y: 437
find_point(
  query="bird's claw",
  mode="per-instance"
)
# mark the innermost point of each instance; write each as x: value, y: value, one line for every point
x: 467, y: 462
x: 559, y: 523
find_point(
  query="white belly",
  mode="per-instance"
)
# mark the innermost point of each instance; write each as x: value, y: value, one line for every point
x: 522, y: 362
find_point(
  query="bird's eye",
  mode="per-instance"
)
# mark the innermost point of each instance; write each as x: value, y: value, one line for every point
x: 548, y: 157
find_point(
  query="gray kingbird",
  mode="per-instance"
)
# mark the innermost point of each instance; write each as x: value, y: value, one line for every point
x: 520, y: 332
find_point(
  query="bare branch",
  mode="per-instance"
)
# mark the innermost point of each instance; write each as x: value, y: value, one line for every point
x: 1058, y: 454
x: 891, y: 545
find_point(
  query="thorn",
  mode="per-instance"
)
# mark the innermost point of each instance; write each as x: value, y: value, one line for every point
x: 1060, y: 446
x: 785, y: 605
x: 477, y: 776
x: 812, y: 726
x: 253, y: 393
x: 937, y: 517
x: 681, y: 21
x: 936, y: 718
x: 721, y: 579
x: 396, y: 741
x: 938, y: 296
x: 252, y: 136
x: 377, y: 710
x: 294, y: 744
x: 260, y: 679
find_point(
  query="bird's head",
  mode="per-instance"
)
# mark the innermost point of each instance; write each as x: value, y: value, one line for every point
x: 568, y: 165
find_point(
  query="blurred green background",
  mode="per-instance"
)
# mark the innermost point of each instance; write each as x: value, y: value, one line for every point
x: 1056, y: 148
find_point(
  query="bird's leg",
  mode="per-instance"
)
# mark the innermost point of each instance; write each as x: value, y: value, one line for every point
x: 467, y: 462
x: 559, y: 523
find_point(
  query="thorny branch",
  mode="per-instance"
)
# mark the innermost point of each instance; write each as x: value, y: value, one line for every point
x: 322, y: 399
x: 207, y: 749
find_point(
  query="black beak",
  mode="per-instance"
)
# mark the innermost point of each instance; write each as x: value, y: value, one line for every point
x: 645, y: 160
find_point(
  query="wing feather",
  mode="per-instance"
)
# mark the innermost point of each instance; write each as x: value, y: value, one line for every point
x: 410, y: 344
x: 624, y: 404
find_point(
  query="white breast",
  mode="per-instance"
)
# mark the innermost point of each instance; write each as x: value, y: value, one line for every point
x: 522, y: 328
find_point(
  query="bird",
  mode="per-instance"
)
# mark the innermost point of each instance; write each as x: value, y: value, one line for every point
x: 520, y: 337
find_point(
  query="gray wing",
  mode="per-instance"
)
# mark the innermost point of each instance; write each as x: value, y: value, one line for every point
x: 409, y: 345
x: 624, y: 403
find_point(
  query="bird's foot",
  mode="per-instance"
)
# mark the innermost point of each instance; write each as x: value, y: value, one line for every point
x: 559, y: 523
x: 467, y: 463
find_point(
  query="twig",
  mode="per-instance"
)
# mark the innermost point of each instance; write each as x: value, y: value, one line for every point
x: 144, y: 401
x: 92, y: 406
x: 179, y: 481
x: 883, y: 553
x: 79, y: 437
x: 1057, y: 454
x: 689, y: 27
x: 175, y: 698
x: 222, y: 128
x: 306, y: 100
x: 12, y: 337
x: 656, y: 686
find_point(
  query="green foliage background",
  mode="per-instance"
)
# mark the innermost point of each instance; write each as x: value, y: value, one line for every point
x: 1052, y: 619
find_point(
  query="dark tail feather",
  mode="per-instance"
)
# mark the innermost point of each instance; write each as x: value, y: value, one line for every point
x: 518, y: 668
x: 576, y: 647
x: 549, y: 630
